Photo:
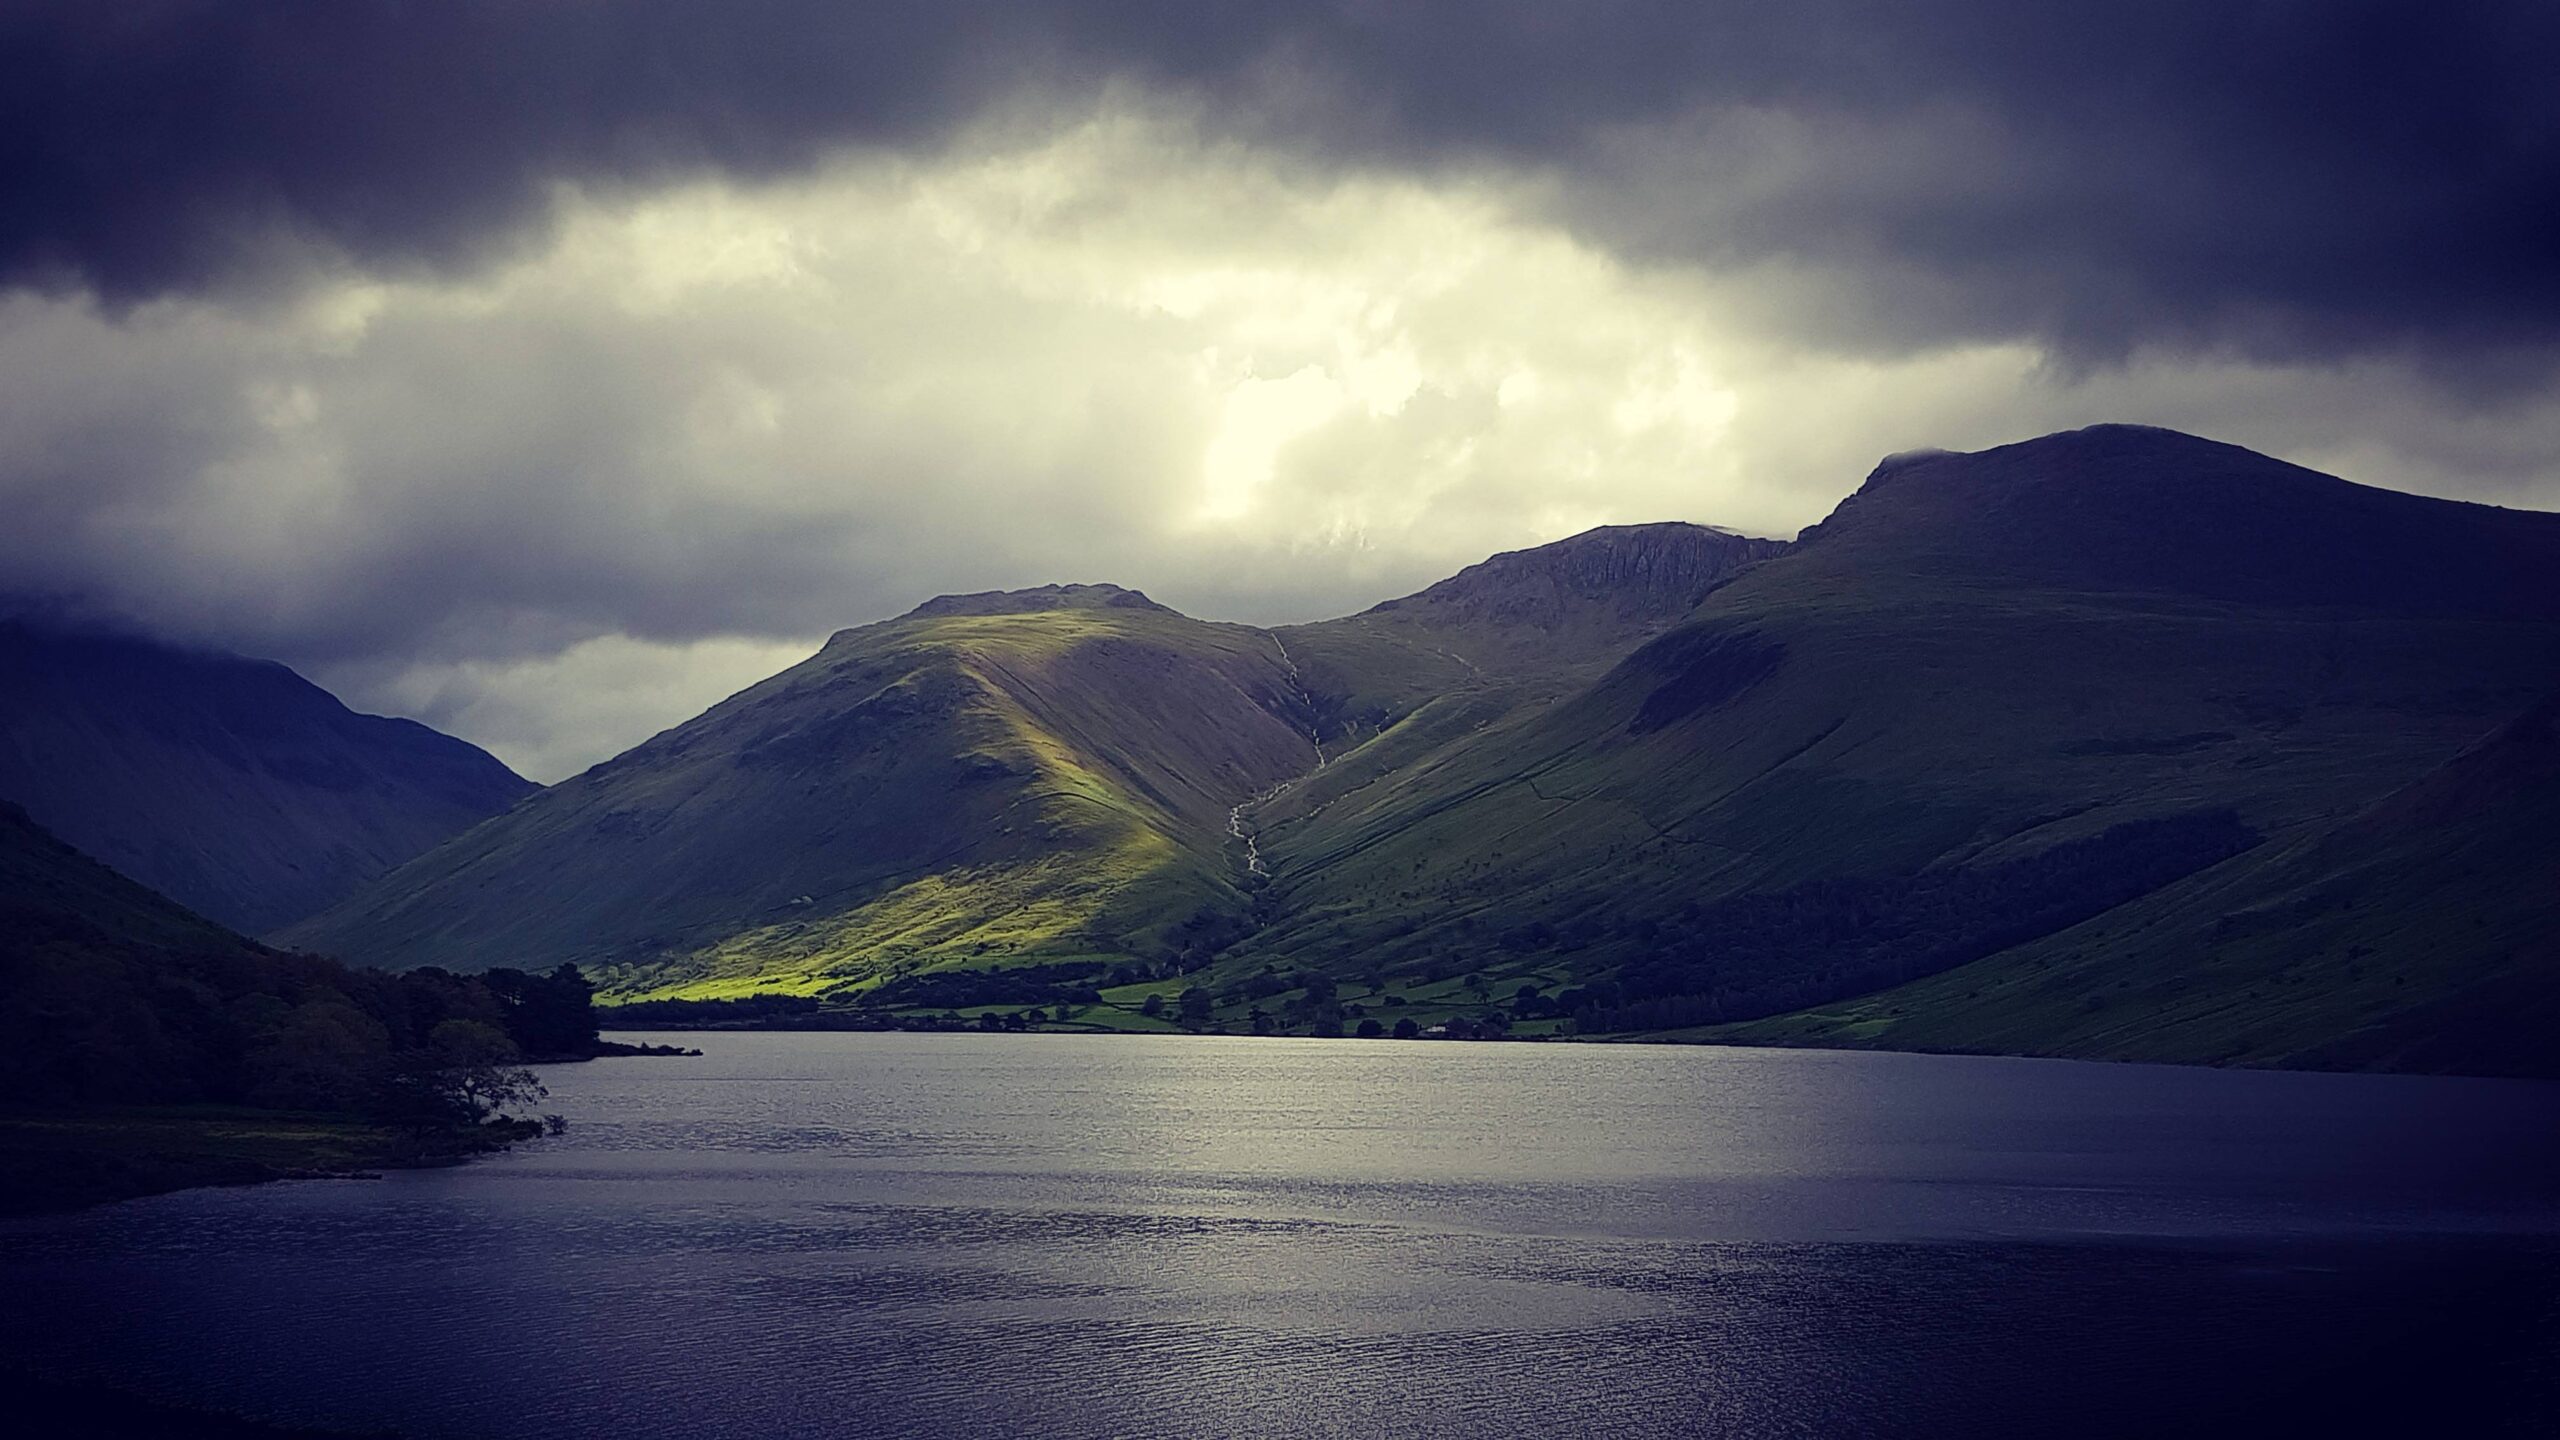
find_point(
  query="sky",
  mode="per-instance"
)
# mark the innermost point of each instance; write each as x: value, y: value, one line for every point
x: 549, y: 369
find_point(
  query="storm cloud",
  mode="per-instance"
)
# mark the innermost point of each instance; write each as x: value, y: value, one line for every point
x: 2272, y: 177
x: 547, y: 370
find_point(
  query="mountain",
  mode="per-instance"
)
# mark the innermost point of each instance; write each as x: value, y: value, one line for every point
x: 232, y: 785
x: 2053, y: 705
x: 1028, y: 774
x: 46, y: 885
x: 1988, y: 693
x: 1548, y: 618
x: 109, y: 984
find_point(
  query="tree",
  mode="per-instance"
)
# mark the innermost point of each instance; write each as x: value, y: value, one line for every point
x: 546, y: 1015
x: 324, y: 1055
x: 1371, y: 1029
x: 1406, y: 1028
x: 1195, y: 1006
x: 1153, y: 1009
x: 467, y: 1073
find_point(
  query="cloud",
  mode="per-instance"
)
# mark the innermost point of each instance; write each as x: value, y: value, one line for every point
x: 550, y: 716
x: 563, y: 498
x: 2280, y: 179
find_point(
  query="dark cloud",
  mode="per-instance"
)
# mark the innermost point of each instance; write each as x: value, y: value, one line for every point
x: 2274, y: 178
x: 397, y: 339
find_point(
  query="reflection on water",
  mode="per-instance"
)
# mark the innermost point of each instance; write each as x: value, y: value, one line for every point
x: 963, y: 1235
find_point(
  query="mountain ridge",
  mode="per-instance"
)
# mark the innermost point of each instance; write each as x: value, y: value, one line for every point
x: 1988, y: 692
x: 231, y: 784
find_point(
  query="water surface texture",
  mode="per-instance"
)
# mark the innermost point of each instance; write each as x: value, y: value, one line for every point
x: 942, y: 1235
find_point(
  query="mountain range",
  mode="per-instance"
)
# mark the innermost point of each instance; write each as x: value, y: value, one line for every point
x: 2116, y: 742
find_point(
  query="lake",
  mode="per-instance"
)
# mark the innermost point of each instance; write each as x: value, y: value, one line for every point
x: 960, y: 1235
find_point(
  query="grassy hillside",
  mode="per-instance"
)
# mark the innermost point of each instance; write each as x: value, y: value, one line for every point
x: 233, y: 785
x: 1978, y: 659
x: 2420, y: 934
x: 990, y: 779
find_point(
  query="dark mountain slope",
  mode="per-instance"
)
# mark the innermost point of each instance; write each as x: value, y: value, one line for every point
x: 233, y: 785
x: 46, y: 884
x: 1977, y: 661
x: 255, y: 1064
x: 2422, y: 934
x: 2132, y: 509
x: 1037, y: 774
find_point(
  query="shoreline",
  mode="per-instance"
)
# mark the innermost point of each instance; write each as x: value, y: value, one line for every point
x: 1680, y: 1040
x: 59, y: 1161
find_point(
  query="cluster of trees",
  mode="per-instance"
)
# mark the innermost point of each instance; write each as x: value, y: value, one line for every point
x: 1756, y: 955
x: 1073, y: 982
x: 1201, y: 938
x: 94, y: 1019
x: 776, y: 1012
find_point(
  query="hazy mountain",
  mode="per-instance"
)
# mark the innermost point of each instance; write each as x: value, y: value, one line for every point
x: 1034, y: 773
x: 46, y: 885
x: 234, y: 786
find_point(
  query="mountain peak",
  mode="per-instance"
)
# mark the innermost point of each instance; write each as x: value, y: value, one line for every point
x: 2136, y: 508
x: 1663, y: 566
x: 1036, y: 599
x: 2072, y: 450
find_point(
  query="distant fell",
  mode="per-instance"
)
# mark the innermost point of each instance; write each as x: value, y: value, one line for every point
x: 46, y: 885
x: 1631, y: 573
x: 232, y: 785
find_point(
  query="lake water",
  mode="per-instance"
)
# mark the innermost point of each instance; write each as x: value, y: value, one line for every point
x: 947, y: 1235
